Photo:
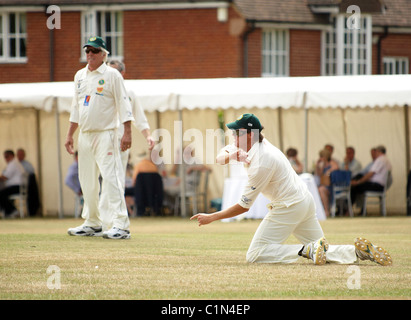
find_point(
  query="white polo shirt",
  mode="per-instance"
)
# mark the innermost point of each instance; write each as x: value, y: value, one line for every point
x: 100, y: 99
x: 380, y: 167
x: 14, y: 173
x: 270, y: 173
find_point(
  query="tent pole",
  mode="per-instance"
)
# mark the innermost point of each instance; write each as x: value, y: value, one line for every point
x: 60, y: 177
x: 39, y: 158
x: 280, y: 128
x: 407, y: 140
x: 306, y: 132
x: 344, y: 127
x: 182, y: 166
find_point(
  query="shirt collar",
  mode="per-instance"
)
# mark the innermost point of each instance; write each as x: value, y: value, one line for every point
x: 100, y: 69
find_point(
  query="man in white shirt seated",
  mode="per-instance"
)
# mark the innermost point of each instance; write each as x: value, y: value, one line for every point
x: 375, y: 179
x: 12, y: 177
x: 350, y: 163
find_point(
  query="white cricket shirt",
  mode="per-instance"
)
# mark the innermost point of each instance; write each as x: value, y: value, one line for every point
x: 100, y: 99
x: 270, y: 173
x: 140, y: 122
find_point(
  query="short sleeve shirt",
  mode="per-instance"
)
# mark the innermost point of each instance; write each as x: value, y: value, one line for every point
x: 100, y: 100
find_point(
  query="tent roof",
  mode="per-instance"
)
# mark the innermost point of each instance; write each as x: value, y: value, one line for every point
x: 162, y: 95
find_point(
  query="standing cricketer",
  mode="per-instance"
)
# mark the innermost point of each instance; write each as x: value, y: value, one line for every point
x: 291, y: 207
x: 142, y: 125
x: 100, y: 104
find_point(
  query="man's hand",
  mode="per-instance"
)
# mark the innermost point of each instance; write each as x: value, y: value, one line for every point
x: 126, y: 139
x: 69, y: 144
x: 240, y: 155
x: 150, y: 142
x: 203, y: 218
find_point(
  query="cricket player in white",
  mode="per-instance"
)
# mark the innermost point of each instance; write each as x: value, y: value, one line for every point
x: 142, y: 125
x: 291, y: 210
x: 100, y: 105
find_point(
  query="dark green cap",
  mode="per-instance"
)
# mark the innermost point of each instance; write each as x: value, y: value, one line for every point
x: 96, y: 42
x: 246, y: 121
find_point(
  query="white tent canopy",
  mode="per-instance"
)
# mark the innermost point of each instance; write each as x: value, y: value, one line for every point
x: 161, y: 95
x: 301, y: 93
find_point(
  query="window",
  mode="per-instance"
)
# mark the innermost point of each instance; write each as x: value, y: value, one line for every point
x: 275, y: 57
x: 347, y: 51
x: 13, y: 37
x: 396, y: 65
x: 106, y: 24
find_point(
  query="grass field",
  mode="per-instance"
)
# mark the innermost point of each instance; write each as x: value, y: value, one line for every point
x: 173, y: 258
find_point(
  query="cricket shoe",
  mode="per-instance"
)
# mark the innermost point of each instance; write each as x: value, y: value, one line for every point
x: 116, y: 233
x: 85, y: 231
x: 365, y: 250
x: 315, y: 251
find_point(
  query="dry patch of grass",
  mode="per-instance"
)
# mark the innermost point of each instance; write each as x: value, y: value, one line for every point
x: 175, y: 259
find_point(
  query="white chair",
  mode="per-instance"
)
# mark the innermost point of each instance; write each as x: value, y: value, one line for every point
x: 198, y: 189
x: 379, y: 197
x: 78, y: 205
x: 21, y: 197
x: 202, y: 190
x: 340, y: 183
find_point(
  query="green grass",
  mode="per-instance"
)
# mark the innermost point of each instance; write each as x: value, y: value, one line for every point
x: 173, y: 258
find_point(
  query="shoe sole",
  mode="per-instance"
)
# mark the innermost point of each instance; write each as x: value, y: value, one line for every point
x: 375, y: 254
x: 319, y: 254
x: 98, y: 234
x: 123, y: 237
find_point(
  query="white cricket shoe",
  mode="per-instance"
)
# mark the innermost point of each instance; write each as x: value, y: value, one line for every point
x: 365, y: 250
x: 116, y: 233
x: 315, y: 251
x: 85, y: 231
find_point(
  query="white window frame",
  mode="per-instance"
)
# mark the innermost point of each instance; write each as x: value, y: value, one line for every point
x: 91, y: 27
x: 19, y: 35
x: 275, y: 53
x: 396, y: 65
x: 347, y: 51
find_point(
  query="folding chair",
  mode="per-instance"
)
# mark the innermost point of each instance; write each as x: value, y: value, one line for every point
x: 21, y: 197
x: 380, y: 195
x: 340, y: 190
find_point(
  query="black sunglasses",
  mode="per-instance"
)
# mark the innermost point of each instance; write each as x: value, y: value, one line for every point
x: 240, y: 132
x: 93, y: 50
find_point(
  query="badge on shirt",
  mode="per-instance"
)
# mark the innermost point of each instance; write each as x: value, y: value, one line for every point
x: 86, y: 101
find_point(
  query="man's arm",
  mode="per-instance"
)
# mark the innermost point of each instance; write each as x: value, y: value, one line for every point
x: 69, y: 144
x: 230, y: 212
x: 365, y: 178
x: 150, y: 141
x: 126, y: 139
x: 224, y: 156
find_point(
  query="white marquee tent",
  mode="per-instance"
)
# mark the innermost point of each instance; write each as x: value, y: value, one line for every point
x: 303, y: 112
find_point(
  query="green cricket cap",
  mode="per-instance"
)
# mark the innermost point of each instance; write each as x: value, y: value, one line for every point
x: 246, y: 121
x: 96, y: 42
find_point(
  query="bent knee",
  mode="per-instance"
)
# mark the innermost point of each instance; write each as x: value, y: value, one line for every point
x: 252, y: 256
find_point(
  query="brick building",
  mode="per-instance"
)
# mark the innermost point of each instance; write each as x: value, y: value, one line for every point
x: 42, y: 40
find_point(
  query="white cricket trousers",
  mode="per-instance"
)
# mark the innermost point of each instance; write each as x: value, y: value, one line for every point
x: 99, y: 153
x: 299, y: 220
x: 106, y: 216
